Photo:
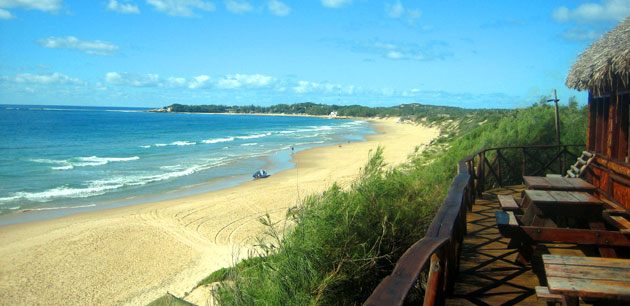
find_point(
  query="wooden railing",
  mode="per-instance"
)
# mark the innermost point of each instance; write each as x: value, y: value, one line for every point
x: 436, y: 256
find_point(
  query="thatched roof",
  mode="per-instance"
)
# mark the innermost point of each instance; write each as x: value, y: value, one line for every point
x: 604, y: 60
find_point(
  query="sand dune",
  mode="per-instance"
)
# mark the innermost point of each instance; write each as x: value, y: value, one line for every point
x: 132, y: 255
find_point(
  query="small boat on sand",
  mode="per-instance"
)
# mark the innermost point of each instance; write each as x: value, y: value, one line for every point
x: 261, y: 174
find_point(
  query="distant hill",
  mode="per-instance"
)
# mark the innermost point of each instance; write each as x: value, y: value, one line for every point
x: 308, y: 108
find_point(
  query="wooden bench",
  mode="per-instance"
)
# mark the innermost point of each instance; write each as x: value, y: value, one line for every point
x: 507, y: 223
x: 508, y: 203
x: 526, y: 232
x: 542, y: 293
x: 576, y: 277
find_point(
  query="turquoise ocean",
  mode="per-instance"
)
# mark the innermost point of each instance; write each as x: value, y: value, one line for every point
x: 58, y: 160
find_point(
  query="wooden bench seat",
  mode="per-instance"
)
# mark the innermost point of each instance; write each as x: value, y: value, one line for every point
x: 542, y: 293
x: 507, y: 223
x: 508, y: 203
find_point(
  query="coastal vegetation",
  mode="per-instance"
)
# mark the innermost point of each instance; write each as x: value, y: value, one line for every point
x: 337, y: 246
x: 411, y: 111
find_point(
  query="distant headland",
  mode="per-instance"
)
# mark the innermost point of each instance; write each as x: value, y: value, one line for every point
x: 315, y: 109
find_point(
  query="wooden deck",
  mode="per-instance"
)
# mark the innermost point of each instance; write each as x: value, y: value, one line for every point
x: 488, y: 274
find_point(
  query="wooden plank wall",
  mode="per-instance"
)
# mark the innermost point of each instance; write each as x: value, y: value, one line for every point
x: 608, y: 135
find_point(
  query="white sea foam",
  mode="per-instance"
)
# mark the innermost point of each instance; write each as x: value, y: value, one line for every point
x: 171, y: 168
x: 182, y: 143
x: 67, y: 167
x: 98, y: 161
x: 254, y: 136
x: 48, y: 161
x: 100, y: 187
x: 217, y: 140
x: 89, y: 161
x: 161, y: 145
x: 145, y: 147
x: 59, y: 207
x: 174, y: 172
x: 59, y: 192
x: 249, y: 144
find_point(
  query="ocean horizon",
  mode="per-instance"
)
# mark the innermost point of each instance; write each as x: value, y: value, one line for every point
x: 59, y: 160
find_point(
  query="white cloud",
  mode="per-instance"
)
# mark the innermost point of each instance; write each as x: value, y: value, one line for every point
x: 432, y: 50
x: 92, y: 47
x: 40, y: 5
x: 176, y: 82
x: 133, y: 80
x: 395, y: 55
x: 580, y: 34
x: 233, y: 81
x: 278, y: 8
x: 44, y: 79
x: 308, y: 87
x: 238, y: 7
x: 202, y: 81
x: 397, y: 10
x: 182, y: 8
x: 607, y: 11
x: 335, y: 3
x: 4, y: 14
x: 115, y: 6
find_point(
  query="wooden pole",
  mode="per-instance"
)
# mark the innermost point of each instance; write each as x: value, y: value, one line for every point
x: 556, y: 100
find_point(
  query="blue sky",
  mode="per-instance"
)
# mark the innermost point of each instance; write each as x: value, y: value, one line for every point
x: 152, y: 53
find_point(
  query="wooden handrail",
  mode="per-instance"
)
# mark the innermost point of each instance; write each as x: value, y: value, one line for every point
x: 441, y: 244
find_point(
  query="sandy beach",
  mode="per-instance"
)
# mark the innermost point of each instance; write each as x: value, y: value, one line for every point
x: 134, y: 254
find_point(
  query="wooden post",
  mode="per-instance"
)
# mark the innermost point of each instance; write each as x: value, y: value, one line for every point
x: 434, y: 283
x: 499, y: 167
x: 524, y: 162
x: 555, y: 100
x: 564, y: 160
x: 592, y: 126
x: 481, y: 174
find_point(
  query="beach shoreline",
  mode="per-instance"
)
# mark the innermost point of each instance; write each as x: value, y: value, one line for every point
x: 134, y: 254
x: 25, y: 202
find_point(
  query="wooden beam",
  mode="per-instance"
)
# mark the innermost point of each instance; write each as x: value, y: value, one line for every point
x: 622, y: 138
x: 613, y: 128
x: 575, y: 236
x: 592, y: 119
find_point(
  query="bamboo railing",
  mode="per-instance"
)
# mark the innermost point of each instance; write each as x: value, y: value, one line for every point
x: 436, y: 256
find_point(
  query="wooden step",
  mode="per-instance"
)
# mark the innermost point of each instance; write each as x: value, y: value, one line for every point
x: 575, y: 169
x: 587, y: 153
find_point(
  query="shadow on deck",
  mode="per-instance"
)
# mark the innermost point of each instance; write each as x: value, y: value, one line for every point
x: 488, y: 274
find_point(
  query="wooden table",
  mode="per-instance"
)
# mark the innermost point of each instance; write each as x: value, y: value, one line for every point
x: 558, y: 183
x: 561, y: 209
x: 547, y: 204
x: 588, y: 277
